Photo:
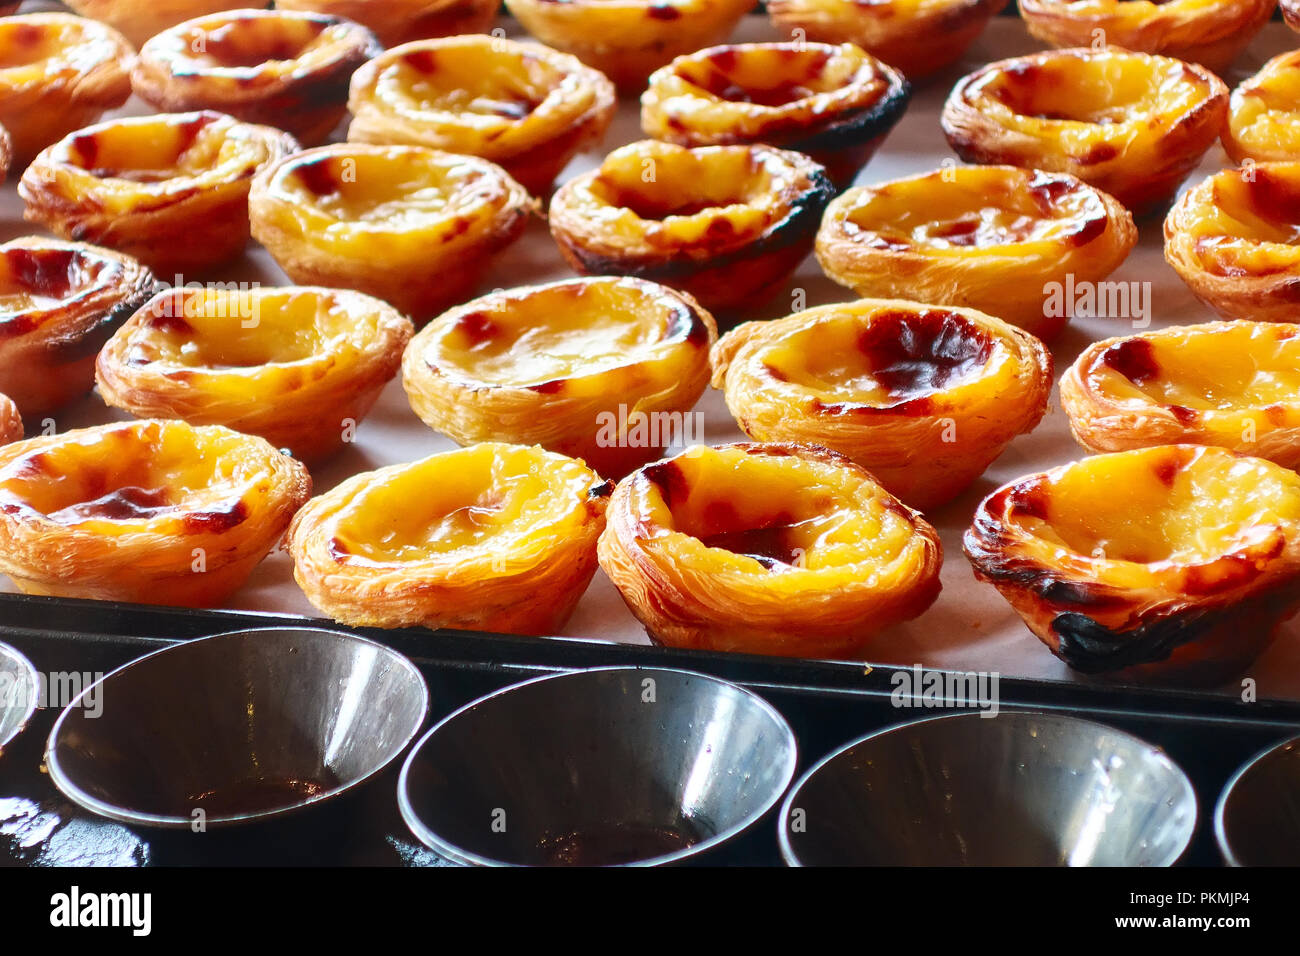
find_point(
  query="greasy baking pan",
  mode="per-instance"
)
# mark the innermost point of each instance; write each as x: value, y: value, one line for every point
x: 827, y: 704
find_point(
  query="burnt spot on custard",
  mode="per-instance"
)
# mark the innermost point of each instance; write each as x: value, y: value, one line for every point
x: 663, y: 11
x: 1274, y: 197
x: 1048, y: 190
x: 477, y: 328
x: 1135, y: 359
x: 128, y: 503
x: 422, y: 59
x: 318, y: 176
x: 217, y: 520
x: 670, y: 479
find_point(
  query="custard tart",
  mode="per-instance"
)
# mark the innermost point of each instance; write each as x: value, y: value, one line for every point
x: 415, y: 227
x: 155, y: 512
x: 924, y: 397
x: 727, y: 224
x: 767, y: 549
x: 493, y: 537
x: 298, y: 366
x: 1231, y: 384
x: 1209, y: 32
x: 627, y: 40
x: 834, y: 103
x: 59, y: 303
x: 397, y: 21
x: 1264, y: 113
x: 525, y: 107
x: 274, y: 67
x: 58, y: 73
x: 1234, y: 238
x: 1170, y: 564
x: 170, y: 189
x: 604, y: 369
x: 138, y: 20
x: 919, y: 37
x: 1131, y: 124
x: 993, y: 238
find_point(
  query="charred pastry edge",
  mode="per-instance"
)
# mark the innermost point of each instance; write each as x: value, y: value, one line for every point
x: 320, y: 90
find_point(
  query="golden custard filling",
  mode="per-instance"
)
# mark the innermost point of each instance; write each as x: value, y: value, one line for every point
x: 1264, y: 111
x: 1246, y: 225
x: 35, y: 51
x: 243, y: 47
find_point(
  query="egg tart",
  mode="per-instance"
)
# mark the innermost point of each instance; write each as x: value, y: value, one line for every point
x: 520, y: 105
x: 298, y: 366
x: 138, y: 20
x: 415, y: 227
x: 1169, y: 564
x: 11, y: 421
x: 919, y: 37
x: 627, y: 40
x: 1234, y: 238
x: 397, y: 21
x: 1231, y: 384
x: 156, y: 512
x: 923, y: 397
x: 1264, y: 113
x: 767, y: 549
x: 1131, y: 124
x: 834, y: 103
x: 278, y: 68
x: 58, y: 73
x: 493, y: 537
x: 1209, y: 32
x: 994, y: 238
x: 170, y: 189
x: 727, y: 224
x: 604, y: 369
x: 59, y: 303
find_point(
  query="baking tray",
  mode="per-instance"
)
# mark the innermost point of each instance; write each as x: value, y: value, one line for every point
x: 827, y: 703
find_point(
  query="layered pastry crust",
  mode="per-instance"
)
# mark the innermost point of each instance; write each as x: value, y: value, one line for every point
x: 1264, y: 113
x: 918, y: 37
x: 993, y: 238
x: 1234, y: 238
x: 156, y: 512
x: 300, y: 367
x: 627, y: 40
x: 604, y: 369
x: 138, y: 20
x: 1209, y: 32
x: 415, y: 227
x: 11, y: 421
x: 399, y: 21
x: 1184, y: 577
x: 525, y: 107
x: 834, y: 103
x: 278, y: 68
x: 171, y: 189
x: 767, y: 549
x: 1131, y: 124
x: 1231, y: 384
x: 727, y: 224
x: 924, y: 397
x: 493, y: 537
x: 59, y: 303
x: 58, y: 73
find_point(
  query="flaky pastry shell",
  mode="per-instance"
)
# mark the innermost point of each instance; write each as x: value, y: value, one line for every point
x: 399, y: 21
x: 766, y: 549
x: 1131, y: 124
x: 1167, y: 564
x: 58, y: 73
x: 604, y: 369
x: 299, y: 367
x: 993, y: 238
x: 1264, y: 113
x: 523, y: 106
x: 276, y: 68
x: 170, y: 189
x: 59, y: 303
x: 1209, y: 32
x: 726, y: 224
x: 415, y: 227
x: 919, y: 37
x: 627, y: 40
x: 11, y: 421
x: 138, y: 20
x: 1232, y: 239
x: 155, y: 512
x: 493, y: 537
x: 1231, y: 384
x: 924, y: 397
x: 834, y: 103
